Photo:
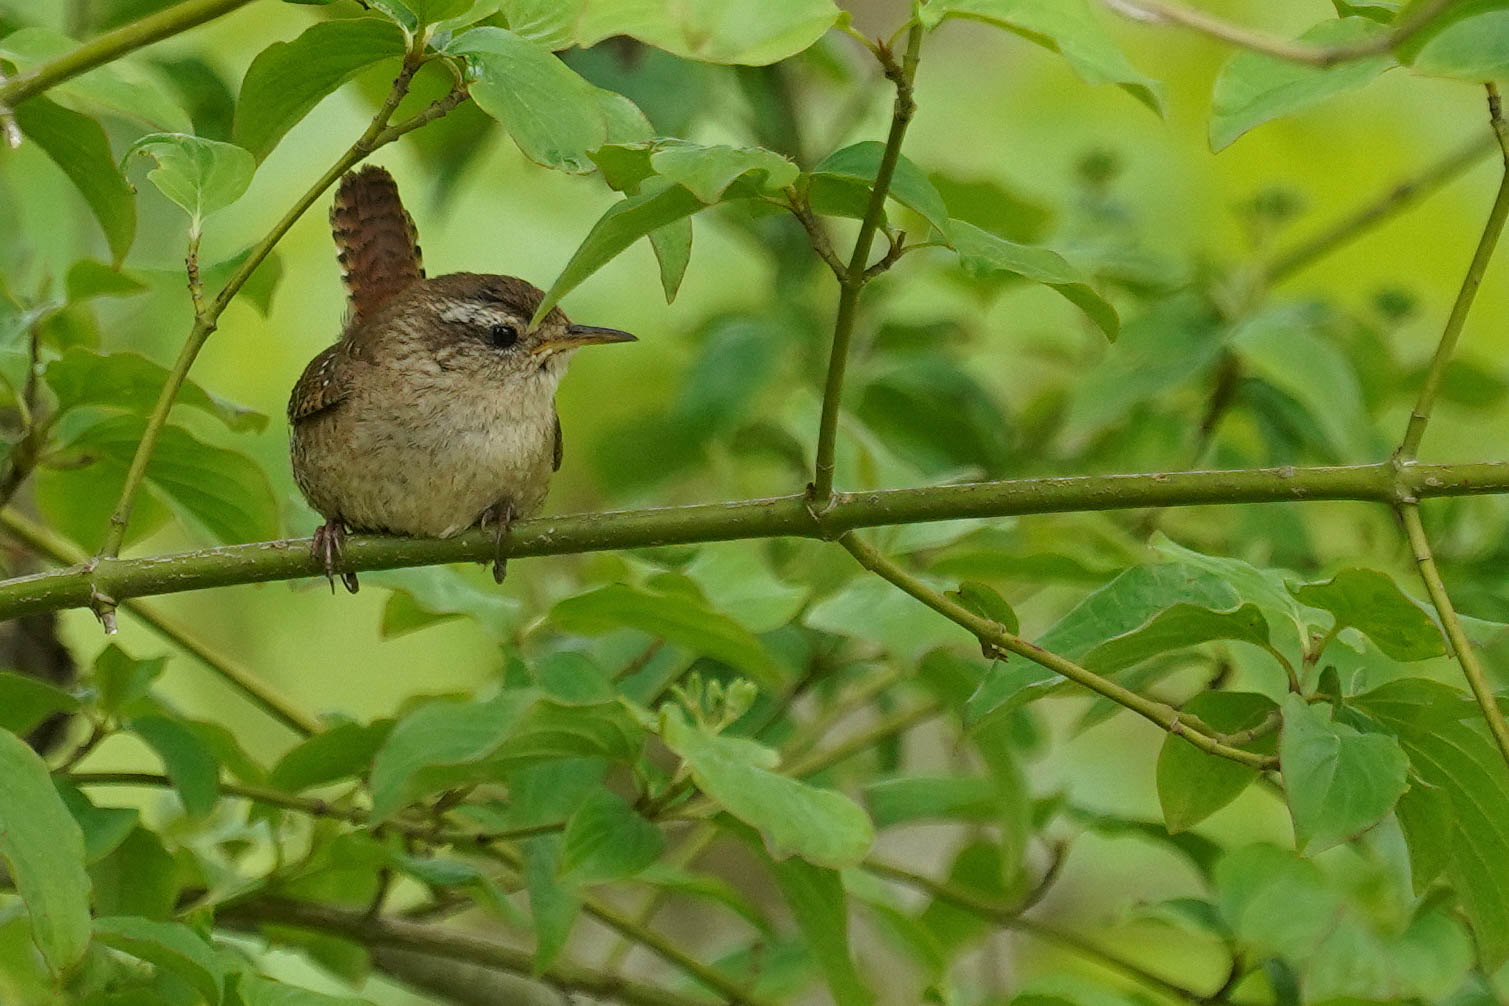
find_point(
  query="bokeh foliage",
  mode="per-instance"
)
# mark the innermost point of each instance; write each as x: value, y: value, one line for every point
x: 753, y: 771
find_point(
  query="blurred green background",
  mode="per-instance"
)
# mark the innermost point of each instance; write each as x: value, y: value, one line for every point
x: 991, y: 107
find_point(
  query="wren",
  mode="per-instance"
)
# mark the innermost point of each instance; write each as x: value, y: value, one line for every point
x: 435, y: 412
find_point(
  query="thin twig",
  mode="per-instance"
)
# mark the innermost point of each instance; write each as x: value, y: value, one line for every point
x: 995, y: 634
x: 1425, y: 560
x: 1281, y: 48
x: 113, y: 45
x: 448, y: 944
x: 1434, y: 376
x: 378, y: 133
x: 853, y: 279
x: 817, y: 236
x: 1011, y: 917
x: 1395, y: 200
x: 289, y: 559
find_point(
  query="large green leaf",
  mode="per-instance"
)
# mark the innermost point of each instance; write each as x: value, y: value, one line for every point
x: 1069, y: 27
x: 860, y: 162
x: 605, y: 840
x: 1254, y: 87
x: 675, y: 618
x: 26, y: 701
x: 1339, y: 782
x: 549, y: 111
x: 188, y: 762
x: 1176, y: 628
x: 426, y: 595
x: 1193, y: 785
x: 819, y: 825
x: 287, y: 79
x: 78, y: 145
x: 199, y: 175
x: 81, y: 378
x: 932, y: 798
x: 341, y: 752
x: 1467, y: 40
x: 713, y: 31
x: 818, y: 902
x: 224, y: 491
x: 982, y: 253
x: 1372, y: 603
x: 169, y: 945
x: 44, y: 851
x: 1450, y: 750
x: 442, y: 744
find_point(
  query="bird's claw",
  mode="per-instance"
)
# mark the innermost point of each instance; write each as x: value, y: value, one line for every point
x: 500, y: 517
x: 328, y: 545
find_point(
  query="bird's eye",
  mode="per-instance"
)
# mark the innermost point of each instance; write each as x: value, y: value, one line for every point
x: 503, y: 335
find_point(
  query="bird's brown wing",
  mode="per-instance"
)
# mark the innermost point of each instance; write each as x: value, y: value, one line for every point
x: 322, y: 386
x: 555, y: 461
x: 377, y: 242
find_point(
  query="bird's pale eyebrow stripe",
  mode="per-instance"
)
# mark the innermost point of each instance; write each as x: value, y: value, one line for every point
x: 462, y: 311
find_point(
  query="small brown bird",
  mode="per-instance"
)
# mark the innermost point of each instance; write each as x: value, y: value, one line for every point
x: 435, y: 412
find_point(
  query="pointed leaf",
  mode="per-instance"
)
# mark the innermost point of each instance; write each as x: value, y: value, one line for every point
x: 81, y: 378
x: 1372, y: 603
x: 605, y: 841
x: 1193, y: 785
x: 169, y: 945
x: 78, y: 145
x: 982, y: 253
x: 194, y: 771
x: 910, y: 187
x: 1339, y: 782
x: 199, y: 175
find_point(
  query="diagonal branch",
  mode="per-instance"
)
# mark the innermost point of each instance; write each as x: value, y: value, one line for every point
x: 1410, y: 446
x: 1409, y: 513
x: 785, y: 516
x: 1281, y: 48
x: 113, y: 45
x: 854, y: 277
x: 377, y: 134
x: 997, y: 636
x: 448, y: 944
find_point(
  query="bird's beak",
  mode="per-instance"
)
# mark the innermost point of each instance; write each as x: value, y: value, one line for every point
x: 582, y: 335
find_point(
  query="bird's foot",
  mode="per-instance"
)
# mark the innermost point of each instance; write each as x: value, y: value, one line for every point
x: 499, y: 517
x: 328, y: 546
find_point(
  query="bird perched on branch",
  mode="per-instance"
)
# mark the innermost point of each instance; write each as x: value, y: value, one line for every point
x: 435, y: 412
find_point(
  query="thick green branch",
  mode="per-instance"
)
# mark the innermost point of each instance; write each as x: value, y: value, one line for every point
x: 377, y: 134
x: 1465, y: 295
x: 445, y: 943
x: 113, y: 45
x: 787, y: 516
x: 853, y: 277
x: 1281, y: 48
x: 1466, y: 656
x: 999, y: 637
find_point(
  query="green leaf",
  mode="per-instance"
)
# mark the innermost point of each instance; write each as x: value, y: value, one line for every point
x: 122, y: 679
x: 431, y: 594
x: 200, y: 175
x: 341, y: 752
x: 677, y: 619
x: 1372, y: 603
x: 169, y: 945
x: 910, y: 186
x: 1327, y: 386
x: 1068, y: 27
x: 104, y: 828
x: 44, y: 852
x: 1193, y: 785
x: 1425, y: 817
x: 1175, y: 628
x: 984, y: 601
x: 735, y: 579
x: 78, y: 145
x: 442, y: 744
x: 26, y: 701
x: 1449, y: 748
x: 255, y: 990
x: 122, y: 87
x: 708, y: 171
x: 287, y: 79
x: 672, y: 245
x: 872, y: 610
x: 1254, y: 88
x: 88, y: 279
x: 1473, y: 44
x: 818, y: 903
x: 1339, y: 782
x: 982, y: 253
x: 554, y: 905
x: 932, y: 798
x: 623, y: 224
x: 81, y: 378
x: 137, y: 877
x: 550, y: 112
x: 605, y: 841
x: 1276, y: 903
x: 194, y: 771
x: 224, y: 491
x: 712, y: 31
x: 821, y: 826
